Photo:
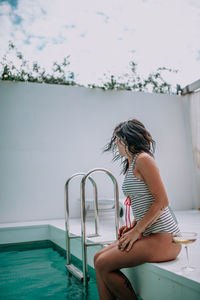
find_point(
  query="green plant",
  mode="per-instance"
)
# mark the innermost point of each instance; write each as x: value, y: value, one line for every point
x: 22, y: 70
x: 155, y: 82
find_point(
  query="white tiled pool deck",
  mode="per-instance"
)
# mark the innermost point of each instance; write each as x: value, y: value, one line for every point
x: 189, y: 221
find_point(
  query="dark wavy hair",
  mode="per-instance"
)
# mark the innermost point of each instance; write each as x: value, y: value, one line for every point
x: 137, y: 138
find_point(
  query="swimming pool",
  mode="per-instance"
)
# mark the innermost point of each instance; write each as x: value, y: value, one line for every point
x: 37, y: 270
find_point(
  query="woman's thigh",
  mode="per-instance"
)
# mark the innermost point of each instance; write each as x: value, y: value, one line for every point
x: 152, y: 248
x: 105, y: 249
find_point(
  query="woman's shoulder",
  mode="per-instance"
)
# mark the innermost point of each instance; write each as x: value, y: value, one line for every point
x: 144, y: 158
x: 146, y: 165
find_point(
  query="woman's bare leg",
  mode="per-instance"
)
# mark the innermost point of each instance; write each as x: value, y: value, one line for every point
x: 103, y: 250
x: 112, y: 284
x: 153, y: 248
x: 119, y: 285
x: 106, y: 281
x: 104, y: 291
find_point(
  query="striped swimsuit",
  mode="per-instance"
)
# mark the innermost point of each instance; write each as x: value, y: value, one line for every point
x: 141, y: 200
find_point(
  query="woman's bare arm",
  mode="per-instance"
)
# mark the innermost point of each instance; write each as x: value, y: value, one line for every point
x: 150, y: 172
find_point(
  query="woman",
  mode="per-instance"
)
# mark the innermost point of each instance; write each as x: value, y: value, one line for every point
x: 149, y: 238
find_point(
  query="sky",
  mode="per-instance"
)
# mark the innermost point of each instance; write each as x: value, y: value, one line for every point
x: 103, y: 37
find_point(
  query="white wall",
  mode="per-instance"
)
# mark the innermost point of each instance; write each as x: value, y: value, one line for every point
x: 49, y: 132
x: 195, y: 176
x: 197, y: 173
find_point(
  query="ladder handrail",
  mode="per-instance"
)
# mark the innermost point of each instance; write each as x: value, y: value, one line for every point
x: 67, y: 212
x: 83, y: 231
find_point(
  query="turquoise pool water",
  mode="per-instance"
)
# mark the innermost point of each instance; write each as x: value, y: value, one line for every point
x: 39, y: 274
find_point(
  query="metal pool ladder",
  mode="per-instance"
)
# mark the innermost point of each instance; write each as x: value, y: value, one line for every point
x: 83, y: 275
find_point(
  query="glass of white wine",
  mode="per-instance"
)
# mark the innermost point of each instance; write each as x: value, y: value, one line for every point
x: 185, y: 238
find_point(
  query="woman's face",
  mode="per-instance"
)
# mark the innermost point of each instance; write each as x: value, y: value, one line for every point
x: 121, y: 147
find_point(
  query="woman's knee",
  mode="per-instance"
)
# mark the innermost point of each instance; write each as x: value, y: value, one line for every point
x: 105, y: 249
x: 96, y: 256
x: 99, y: 262
x: 104, y: 263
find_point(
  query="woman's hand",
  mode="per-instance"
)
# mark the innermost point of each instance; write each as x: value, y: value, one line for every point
x: 122, y: 230
x: 128, y: 239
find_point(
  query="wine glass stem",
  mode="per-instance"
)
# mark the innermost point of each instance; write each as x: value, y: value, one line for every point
x: 186, y: 248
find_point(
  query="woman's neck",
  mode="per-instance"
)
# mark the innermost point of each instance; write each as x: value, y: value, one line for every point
x: 130, y: 159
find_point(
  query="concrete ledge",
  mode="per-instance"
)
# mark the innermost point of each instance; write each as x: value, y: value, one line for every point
x: 23, y: 234
x: 151, y: 282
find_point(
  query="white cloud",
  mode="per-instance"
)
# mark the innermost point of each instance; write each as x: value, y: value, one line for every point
x: 106, y: 35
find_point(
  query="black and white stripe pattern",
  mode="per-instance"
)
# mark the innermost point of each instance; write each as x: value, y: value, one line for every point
x: 141, y: 200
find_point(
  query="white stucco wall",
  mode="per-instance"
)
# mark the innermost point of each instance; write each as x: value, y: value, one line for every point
x: 195, y: 176
x: 49, y: 132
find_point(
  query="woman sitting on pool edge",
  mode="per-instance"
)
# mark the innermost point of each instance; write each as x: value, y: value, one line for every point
x: 149, y: 238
